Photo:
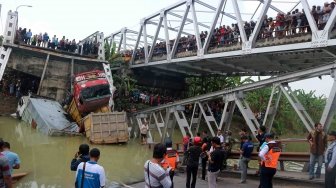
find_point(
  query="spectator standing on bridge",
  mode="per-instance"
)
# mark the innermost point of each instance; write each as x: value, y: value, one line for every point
x: 330, y: 161
x: 246, y: 153
x: 318, y: 143
x: 269, y: 155
x: 28, y: 36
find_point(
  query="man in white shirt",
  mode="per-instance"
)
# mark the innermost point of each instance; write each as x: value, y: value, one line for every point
x: 155, y: 175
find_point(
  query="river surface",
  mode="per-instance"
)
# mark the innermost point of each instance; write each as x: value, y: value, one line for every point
x: 47, y: 159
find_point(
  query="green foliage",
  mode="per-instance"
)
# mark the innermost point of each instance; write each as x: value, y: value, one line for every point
x: 203, y: 85
x: 122, y: 78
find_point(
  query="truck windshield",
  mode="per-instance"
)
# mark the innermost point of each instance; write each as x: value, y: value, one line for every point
x: 95, y: 92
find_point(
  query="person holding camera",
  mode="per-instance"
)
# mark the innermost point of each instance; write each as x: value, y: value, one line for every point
x: 155, y: 174
x: 81, y: 156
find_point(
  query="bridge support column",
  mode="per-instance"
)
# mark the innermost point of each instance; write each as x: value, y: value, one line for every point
x: 247, y: 113
x: 195, y: 118
x: 209, y: 118
x: 330, y: 107
x: 298, y: 107
x: 4, y: 56
x: 43, y: 74
x: 158, y: 121
x: 272, y: 108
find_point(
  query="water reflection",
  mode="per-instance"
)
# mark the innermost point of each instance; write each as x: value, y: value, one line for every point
x: 47, y: 159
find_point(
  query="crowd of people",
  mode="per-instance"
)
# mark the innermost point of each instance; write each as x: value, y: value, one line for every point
x: 282, y: 25
x: 212, y: 152
x: 89, y: 47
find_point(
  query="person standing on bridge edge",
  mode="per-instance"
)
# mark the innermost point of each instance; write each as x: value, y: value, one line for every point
x: 330, y: 161
x: 269, y: 156
x: 318, y: 143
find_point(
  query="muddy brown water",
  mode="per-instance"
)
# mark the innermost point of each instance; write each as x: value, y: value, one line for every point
x: 47, y: 159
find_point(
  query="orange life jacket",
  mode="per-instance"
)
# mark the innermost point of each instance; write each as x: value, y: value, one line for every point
x: 272, y: 156
x: 170, y: 159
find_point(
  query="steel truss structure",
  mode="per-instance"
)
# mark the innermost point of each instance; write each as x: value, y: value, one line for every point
x: 251, y: 56
x: 232, y: 98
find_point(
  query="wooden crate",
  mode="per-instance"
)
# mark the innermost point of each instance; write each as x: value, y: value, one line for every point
x: 106, y: 128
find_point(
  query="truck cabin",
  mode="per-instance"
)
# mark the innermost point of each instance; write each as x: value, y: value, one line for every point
x: 92, y: 91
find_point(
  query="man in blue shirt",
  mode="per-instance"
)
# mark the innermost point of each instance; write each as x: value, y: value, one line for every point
x: 245, y: 152
x: 13, y: 158
x: 90, y: 174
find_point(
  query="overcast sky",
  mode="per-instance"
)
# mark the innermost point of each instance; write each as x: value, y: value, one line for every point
x: 77, y: 19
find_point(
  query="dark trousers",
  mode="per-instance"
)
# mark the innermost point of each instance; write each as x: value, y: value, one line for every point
x: 204, y: 163
x: 191, y: 171
x: 171, y: 175
x: 330, y: 178
x: 266, y: 176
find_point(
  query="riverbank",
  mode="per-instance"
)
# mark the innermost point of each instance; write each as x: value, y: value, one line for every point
x: 8, y: 105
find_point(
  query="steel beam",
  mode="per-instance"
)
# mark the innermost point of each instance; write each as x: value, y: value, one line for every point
x: 206, y: 119
x: 144, y: 28
x: 289, y: 77
x: 246, y: 116
x: 274, y: 8
x: 309, y: 17
x: 297, y: 110
x: 165, y: 24
x: 154, y: 40
x: 189, y: 20
x: 136, y: 44
x: 196, y: 29
x: 213, y: 8
x: 256, y: 30
x: 177, y: 38
x: 330, y: 24
x: 330, y: 107
x: 43, y: 74
x: 213, y: 26
x: 239, y: 21
x: 170, y: 28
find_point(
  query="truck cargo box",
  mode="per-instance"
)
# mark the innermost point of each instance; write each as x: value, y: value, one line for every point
x: 106, y: 128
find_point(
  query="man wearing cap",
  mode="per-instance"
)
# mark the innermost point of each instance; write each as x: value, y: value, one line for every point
x: 318, y: 143
x: 330, y: 161
x: 193, y: 155
x: 269, y: 156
